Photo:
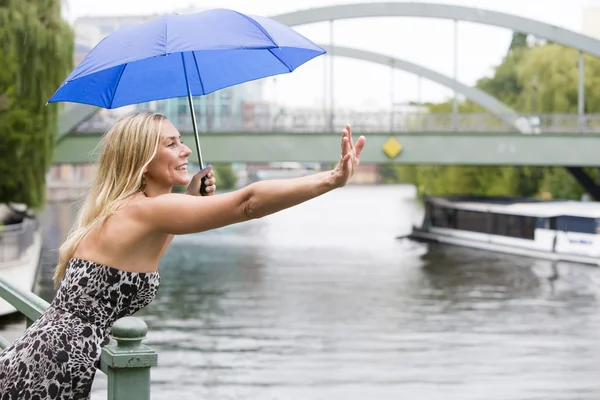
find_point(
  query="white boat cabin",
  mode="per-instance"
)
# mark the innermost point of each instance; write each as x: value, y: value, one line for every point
x: 568, y: 227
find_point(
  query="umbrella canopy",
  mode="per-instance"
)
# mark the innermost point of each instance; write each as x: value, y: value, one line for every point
x: 181, y: 55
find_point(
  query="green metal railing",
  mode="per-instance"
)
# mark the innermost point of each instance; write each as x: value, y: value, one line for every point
x: 125, y: 360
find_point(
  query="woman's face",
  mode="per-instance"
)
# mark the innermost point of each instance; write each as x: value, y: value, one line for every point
x: 169, y: 166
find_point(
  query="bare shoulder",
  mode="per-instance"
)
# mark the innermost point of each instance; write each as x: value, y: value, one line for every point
x: 181, y: 214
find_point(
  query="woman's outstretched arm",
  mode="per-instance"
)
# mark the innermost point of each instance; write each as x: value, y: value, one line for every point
x: 181, y: 214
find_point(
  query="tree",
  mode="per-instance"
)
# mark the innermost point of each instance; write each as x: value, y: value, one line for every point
x: 554, y: 67
x: 558, y: 183
x: 519, y: 41
x: 505, y: 84
x: 532, y: 78
x: 225, y: 176
x: 36, y: 49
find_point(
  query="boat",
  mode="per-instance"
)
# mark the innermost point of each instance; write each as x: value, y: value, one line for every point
x: 545, y: 229
x: 20, y: 251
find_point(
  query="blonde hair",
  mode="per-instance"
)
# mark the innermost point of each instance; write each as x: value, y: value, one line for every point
x: 127, y: 149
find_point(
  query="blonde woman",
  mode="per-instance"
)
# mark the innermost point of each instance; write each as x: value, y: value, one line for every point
x: 107, y: 267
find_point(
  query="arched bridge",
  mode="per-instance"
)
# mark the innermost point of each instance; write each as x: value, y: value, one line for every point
x: 499, y: 138
x: 451, y: 12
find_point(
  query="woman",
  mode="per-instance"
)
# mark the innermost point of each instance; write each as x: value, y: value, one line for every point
x: 107, y: 267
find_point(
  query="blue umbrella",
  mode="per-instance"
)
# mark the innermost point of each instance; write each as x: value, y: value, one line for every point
x: 184, y: 55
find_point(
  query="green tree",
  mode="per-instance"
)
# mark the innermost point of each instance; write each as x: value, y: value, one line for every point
x: 519, y: 41
x: 538, y: 78
x: 560, y: 184
x: 36, y: 51
x: 505, y: 84
x: 549, y: 78
x: 225, y: 176
x: 390, y: 173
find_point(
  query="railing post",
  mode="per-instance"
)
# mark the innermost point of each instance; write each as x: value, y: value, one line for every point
x: 127, y: 361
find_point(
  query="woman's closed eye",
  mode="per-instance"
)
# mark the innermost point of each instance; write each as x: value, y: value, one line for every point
x: 174, y: 144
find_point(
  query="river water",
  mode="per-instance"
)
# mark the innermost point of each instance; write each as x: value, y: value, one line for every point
x: 322, y: 302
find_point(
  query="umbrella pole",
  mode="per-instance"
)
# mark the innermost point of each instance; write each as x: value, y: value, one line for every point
x: 189, y: 90
x: 195, y: 127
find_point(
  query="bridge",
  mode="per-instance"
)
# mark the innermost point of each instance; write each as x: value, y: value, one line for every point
x: 502, y: 137
x: 415, y: 138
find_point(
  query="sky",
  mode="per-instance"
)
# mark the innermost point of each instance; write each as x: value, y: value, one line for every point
x: 359, y: 84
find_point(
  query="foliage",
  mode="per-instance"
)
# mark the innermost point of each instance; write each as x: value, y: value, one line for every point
x: 554, y: 68
x: 225, y: 176
x: 532, y: 78
x: 558, y: 183
x: 36, y: 48
x: 505, y: 85
x: 519, y: 41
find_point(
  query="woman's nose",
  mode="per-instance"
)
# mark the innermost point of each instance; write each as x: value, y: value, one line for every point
x: 186, y: 150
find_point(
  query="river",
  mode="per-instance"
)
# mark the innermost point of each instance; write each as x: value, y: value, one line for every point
x: 321, y: 301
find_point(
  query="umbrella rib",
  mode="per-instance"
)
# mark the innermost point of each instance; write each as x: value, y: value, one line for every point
x: 116, y: 86
x: 280, y: 60
x: 259, y: 27
x: 198, y: 71
x: 166, y: 34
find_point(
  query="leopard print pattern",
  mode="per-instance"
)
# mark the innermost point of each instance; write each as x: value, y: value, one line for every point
x: 57, y: 356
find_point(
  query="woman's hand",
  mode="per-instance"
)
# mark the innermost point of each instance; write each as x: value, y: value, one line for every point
x: 350, y: 158
x: 209, y: 179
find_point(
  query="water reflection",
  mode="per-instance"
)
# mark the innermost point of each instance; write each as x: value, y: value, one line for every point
x: 321, y: 301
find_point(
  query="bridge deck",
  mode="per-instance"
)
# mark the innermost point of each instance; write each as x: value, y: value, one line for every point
x: 451, y: 148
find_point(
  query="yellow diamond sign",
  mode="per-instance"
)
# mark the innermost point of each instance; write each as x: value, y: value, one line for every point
x: 392, y: 147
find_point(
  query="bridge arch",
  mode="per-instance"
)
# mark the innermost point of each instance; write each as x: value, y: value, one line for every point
x: 72, y: 117
x: 490, y: 103
x: 443, y: 11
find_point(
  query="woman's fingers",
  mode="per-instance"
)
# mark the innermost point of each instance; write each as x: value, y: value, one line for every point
x: 211, y: 188
x: 349, y: 130
x: 360, y: 145
x: 345, y: 145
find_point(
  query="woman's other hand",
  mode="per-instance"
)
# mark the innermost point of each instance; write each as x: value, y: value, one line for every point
x: 209, y: 179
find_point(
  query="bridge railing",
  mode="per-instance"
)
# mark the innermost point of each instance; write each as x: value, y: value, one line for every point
x: 125, y: 360
x: 309, y: 120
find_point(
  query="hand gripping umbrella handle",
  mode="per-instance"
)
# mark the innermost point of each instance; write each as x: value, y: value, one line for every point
x: 202, y: 187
